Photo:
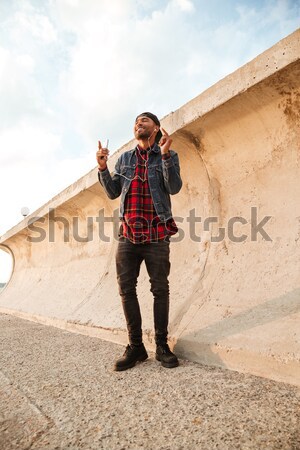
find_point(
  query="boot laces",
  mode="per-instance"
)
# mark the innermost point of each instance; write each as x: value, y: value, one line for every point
x: 128, y: 350
x: 165, y: 349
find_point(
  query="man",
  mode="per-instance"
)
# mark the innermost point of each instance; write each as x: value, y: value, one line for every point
x: 144, y: 177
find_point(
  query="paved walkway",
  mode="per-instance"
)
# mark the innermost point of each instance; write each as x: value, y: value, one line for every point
x: 58, y: 391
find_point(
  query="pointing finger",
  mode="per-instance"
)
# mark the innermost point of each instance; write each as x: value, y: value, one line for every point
x: 164, y: 132
x: 99, y: 145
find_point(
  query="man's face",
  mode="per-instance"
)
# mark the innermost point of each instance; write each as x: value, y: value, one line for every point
x: 144, y: 127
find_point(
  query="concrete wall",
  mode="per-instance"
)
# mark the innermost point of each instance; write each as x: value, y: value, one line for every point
x: 233, y: 304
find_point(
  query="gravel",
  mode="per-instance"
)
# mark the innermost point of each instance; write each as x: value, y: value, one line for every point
x: 58, y: 391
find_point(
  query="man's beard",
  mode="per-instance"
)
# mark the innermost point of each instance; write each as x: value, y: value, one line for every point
x: 145, y: 134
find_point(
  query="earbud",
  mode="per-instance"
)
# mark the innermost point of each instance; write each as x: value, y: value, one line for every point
x: 155, y: 129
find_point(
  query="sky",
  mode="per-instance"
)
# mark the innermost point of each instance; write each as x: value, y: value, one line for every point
x: 75, y: 71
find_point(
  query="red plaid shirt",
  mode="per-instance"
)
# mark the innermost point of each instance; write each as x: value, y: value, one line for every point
x: 140, y: 223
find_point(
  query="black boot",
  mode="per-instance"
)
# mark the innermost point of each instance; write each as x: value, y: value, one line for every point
x: 165, y: 356
x: 132, y: 355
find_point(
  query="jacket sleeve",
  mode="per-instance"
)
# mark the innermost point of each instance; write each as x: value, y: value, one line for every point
x: 171, y: 173
x: 111, y: 184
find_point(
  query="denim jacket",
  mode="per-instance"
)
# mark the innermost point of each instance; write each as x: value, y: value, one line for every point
x: 163, y: 178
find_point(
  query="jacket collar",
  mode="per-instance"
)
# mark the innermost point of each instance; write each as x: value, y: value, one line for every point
x: 155, y: 148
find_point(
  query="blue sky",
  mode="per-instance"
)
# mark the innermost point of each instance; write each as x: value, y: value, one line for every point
x: 74, y: 71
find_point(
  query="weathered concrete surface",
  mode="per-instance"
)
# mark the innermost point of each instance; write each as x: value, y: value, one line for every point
x: 234, y: 304
x: 58, y: 391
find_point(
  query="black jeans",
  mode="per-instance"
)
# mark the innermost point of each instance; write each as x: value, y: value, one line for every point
x: 128, y: 262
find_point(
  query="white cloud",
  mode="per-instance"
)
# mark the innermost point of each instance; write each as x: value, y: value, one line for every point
x: 32, y: 171
x: 20, y: 94
x: 27, y: 159
x: 76, y: 16
x: 38, y: 25
x: 185, y: 5
x: 28, y: 144
x: 124, y: 65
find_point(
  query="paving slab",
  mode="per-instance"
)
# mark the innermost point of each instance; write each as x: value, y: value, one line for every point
x: 58, y: 391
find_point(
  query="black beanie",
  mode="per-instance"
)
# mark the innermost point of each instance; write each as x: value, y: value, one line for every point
x: 155, y: 120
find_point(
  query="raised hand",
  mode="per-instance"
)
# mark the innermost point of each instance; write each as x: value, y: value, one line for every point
x: 165, y: 142
x: 102, y: 156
